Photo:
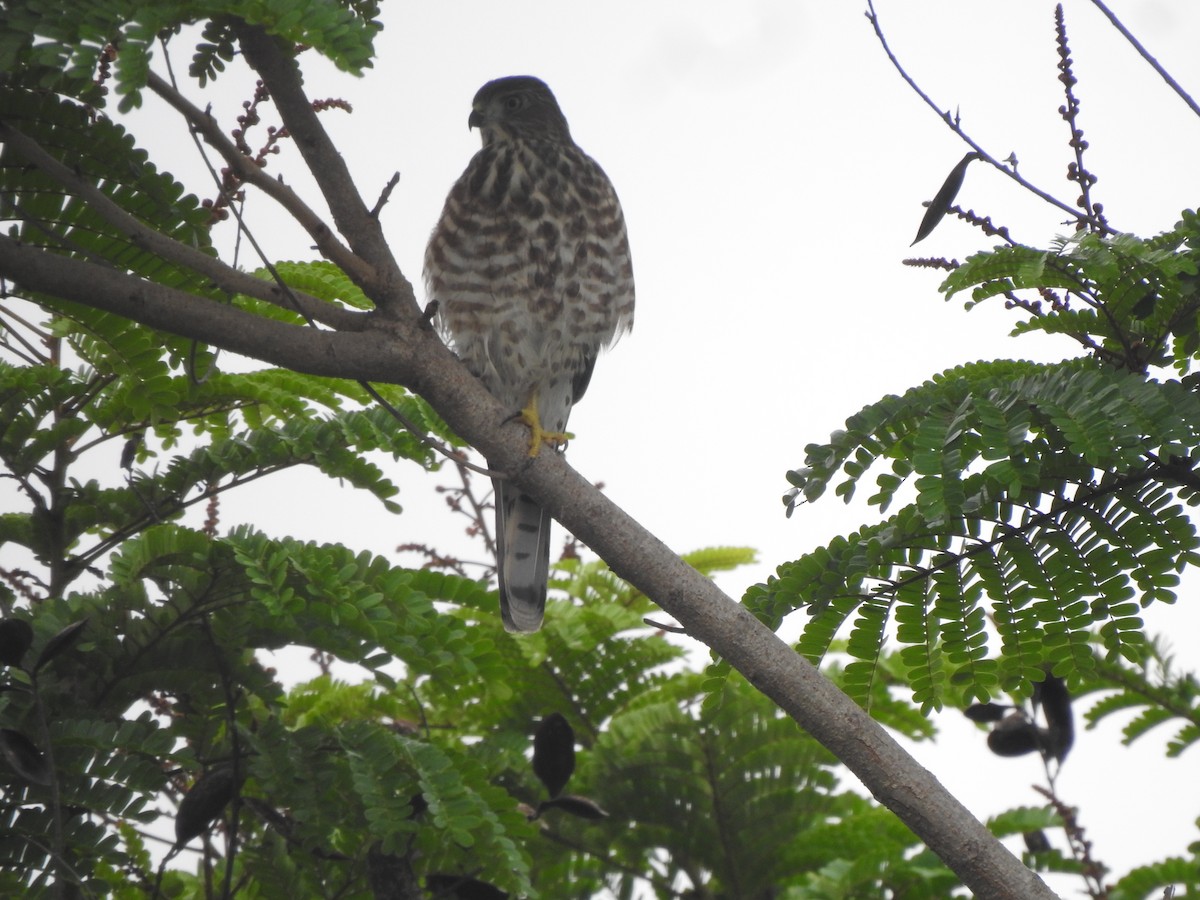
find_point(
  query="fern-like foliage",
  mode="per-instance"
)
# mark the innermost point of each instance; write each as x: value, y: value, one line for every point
x: 415, y: 796
x: 259, y: 423
x: 725, y: 772
x: 1044, y: 502
x: 156, y: 677
x: 592, y: 656
x: 60, y: 45
x: 160, y: 637
x: 865, y: 852
x: 764, y: 812
x: 1038, y: 509
x: 1151, y: 880
x: 1133, y: 300
x: 100, y: 152
x: 1148, y: 694
x: 1038, y: 503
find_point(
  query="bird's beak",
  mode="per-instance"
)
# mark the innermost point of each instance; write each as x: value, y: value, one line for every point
x: 475, y: 120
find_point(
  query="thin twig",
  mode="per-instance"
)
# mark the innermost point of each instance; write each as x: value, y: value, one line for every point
x: 478, y: 514
x: 663, y: 626
x: 1163, y: 73
x: 391, y: 291
x: 244, y: 230
x: 35, y: 356
x: 137, y: 233
x: 330, y: 247
x: 1091, y: 869
x: 421, y: 436
x: 1076, y: 171
x: 952, y: 122
x: 384, y: 195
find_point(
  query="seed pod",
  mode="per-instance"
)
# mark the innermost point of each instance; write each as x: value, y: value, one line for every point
x: 207, y: 798
x: 26, y: 759
x: 1014, y: 736
x: 576, y: 806
x: 60, y: 643
x: 554, y: 753
x: 985, y: 712
x: 460, y: 887
x: 15, y: 637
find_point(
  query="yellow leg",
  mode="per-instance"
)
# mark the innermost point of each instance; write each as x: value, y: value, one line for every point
x: 529, y: 415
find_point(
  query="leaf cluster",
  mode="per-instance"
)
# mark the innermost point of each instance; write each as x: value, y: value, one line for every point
x: 68, y: 48
x: 1155, y: 691
x: 1039, y: 502
x: 167, y: 696
x: 1134, y: 301
x: 1045, y: 503
x: 102, y: 154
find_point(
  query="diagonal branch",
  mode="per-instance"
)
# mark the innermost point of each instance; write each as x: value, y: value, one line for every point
x: 138, y: 233
x: 299, y: 347
x: 394, y: 294
x: 1145, y: 54
x: 422, y: 363
x: 250, y: 172
x: 953, y: 124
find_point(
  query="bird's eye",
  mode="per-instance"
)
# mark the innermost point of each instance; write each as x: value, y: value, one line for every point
x: 513, y: 103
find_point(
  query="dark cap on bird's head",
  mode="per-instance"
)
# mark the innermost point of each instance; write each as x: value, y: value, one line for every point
x: 517, y: 107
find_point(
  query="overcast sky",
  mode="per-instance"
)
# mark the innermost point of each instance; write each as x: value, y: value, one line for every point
x: 772, y: 167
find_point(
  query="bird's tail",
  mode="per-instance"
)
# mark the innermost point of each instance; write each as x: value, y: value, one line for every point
x: 523, y: 551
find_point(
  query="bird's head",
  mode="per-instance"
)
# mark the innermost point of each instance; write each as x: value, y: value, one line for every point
x: 517, y: 107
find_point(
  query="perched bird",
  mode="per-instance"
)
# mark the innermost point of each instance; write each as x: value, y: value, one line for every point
x: 529, y: 266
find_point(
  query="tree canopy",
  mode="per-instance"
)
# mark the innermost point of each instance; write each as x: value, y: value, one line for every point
x: 1032, y: 511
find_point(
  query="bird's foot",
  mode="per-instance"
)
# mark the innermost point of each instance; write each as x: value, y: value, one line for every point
x: 556, y: 439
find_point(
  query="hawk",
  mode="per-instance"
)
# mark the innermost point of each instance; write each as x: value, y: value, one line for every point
x: 529, y: 267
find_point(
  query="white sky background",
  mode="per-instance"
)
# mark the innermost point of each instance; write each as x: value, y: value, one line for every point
x: 772, y: 166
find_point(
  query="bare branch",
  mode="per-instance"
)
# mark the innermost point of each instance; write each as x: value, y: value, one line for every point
x: 1155, y: 64
x: 385, y: 195
x: 251, y: 173
x: 1090, y: 869
x: 394, y: 294
x: 953, y: 123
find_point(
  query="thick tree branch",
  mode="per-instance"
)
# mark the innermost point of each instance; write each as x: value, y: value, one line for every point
x: 394, y: 348
x: 366, y: 354
x: 393, y: 352
x: 251, y: 173
x: 138, y: 233
x: 394, y: 294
